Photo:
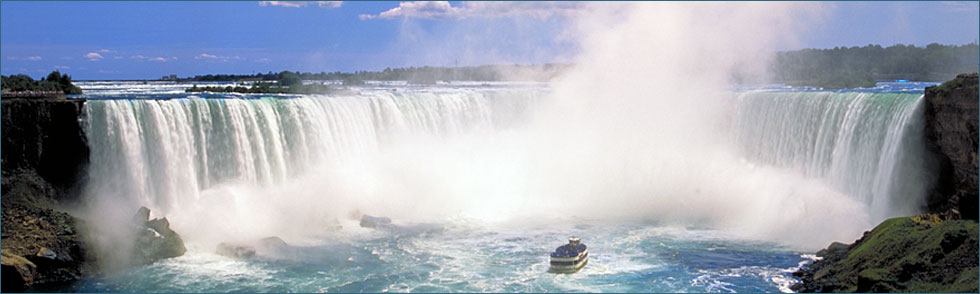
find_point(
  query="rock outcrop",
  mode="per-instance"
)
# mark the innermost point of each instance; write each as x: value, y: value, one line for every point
x: 909, y: 254
x: 154, y: 238
x: 951, y: 117
x: 18, y: 272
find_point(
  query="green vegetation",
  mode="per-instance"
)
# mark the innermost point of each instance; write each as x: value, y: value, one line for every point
x: 55, y: 81
x: 961, y: 81
x: 288, y: 79
x: 908, y: 254
x: 844, y: 67
x: 421, y: 75
x: 266, y: 87
x: 353, y: 81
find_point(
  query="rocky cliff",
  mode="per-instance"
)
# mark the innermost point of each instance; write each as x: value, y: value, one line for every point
x: 46, y: 138
x: 44, y: 153
x: 951, y: 131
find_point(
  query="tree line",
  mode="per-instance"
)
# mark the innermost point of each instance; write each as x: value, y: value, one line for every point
x: 843, y: 67
x: 55, y: 81
x: 418, y: 75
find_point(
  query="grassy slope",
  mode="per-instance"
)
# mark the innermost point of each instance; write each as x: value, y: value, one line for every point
x: 906, y: 254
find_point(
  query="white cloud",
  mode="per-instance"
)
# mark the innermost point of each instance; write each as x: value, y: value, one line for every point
x: 295, y: 4
x: 118, y: 57
x: 148, y: 58
x: 106, y: 51
x: 444, y: 10
x: 62, y: 67
x: 211, y: 57
x: 29, y: 58
x: 263, y: 60
x: 419, y: 9
x: 93, y: 56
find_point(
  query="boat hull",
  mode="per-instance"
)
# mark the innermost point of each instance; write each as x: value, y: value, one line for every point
x: 568, y: 269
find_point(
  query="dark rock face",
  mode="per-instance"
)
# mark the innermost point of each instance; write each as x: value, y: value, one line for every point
x: 45, y: 136
x: 910, y: 254
x: 951, y: 131
x: 154, y: 238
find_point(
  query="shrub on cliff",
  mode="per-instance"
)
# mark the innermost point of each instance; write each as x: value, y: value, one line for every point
x: 55, y: 81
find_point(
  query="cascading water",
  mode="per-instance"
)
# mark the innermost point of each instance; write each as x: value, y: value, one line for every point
x: 162, y: 153
x: 868, y: 145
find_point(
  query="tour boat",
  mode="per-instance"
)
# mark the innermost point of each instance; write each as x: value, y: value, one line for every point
x: 569, y: 258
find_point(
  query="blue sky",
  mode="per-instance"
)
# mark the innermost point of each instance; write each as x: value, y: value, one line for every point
x: 138, y: 40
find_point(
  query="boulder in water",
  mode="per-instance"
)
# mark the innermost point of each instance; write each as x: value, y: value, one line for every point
x: 155, y: 240
x: 368, y: 221
x: 272, y: 243
x: 142, y: 216
x: 235, y: 251
x: 269, y: 246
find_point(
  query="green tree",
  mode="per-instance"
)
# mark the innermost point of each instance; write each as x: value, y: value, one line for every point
x: 288, y: 78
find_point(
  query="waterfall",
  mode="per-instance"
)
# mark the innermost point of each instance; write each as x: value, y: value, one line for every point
x: 867, y: 145
x: 820, y: 161
x: 162, y: 153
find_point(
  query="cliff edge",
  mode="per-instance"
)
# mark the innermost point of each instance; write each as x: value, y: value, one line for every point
x: 951, y: 132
